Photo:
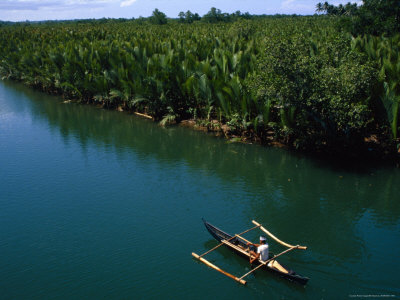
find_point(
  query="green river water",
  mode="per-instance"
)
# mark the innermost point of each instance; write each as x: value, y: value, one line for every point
x: 98, y: 204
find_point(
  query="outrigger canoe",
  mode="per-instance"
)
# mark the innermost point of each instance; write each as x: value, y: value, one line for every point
x: 237, y: 244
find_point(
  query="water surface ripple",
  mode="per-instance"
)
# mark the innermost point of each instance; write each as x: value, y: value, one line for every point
x: 100, y: 204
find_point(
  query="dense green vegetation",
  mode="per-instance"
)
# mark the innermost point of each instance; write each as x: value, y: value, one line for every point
x: 385, y: 53
x: 374, y: 17
x: 376, y: 26
x: 297, y: 80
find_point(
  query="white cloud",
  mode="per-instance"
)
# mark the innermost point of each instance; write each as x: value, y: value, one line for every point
x: 85, y: 2
x: 38, y: 4
x: 297, y: 6
x: 287, y: 4
x: 127, y: 3
x: 25, y: 4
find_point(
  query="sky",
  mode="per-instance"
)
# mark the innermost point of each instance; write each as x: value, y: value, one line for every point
x: 37, y: 10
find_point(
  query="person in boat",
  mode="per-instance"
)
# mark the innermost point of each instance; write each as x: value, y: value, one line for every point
x: 263, y: 254
x: 262, y: 250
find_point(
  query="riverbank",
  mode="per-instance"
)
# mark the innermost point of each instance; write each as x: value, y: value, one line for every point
x: 374, y: 147
x: 269, y: 80
x: 372, y: 151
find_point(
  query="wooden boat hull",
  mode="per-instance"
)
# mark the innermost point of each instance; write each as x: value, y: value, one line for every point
x: 220, y: 235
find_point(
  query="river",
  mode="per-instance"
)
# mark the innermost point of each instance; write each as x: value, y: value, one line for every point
x: 103, y: 204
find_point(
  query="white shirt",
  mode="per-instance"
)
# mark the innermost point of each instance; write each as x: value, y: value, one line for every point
x: 264, y: 251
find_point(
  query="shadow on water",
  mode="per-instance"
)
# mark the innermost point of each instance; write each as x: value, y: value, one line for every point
x: 354, y: 165
x: 297, y: 184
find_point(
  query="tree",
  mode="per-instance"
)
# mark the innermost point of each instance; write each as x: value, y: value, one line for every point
x: 196, y: 17
x: 182, y: 17
x: 213, y: 16
x: 350, y: 9
x: 374, y: 17
x: 317, y: 100
x: 319, y: 7
x: 340, y: 10
x: 158, y: 17
x: 188, y: 17
x: 377, y: 17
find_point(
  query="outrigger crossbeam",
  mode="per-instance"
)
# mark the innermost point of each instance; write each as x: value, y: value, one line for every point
x: 263, y: 263
x: 276, y: 239
x: 200, y: 257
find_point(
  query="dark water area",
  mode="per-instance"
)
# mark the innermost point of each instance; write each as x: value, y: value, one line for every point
x: 102, y: 204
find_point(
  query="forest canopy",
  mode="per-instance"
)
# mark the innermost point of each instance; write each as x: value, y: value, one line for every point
x: 374, y: 17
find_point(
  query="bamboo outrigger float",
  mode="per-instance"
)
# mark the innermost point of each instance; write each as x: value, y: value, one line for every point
x: 238, y: 244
